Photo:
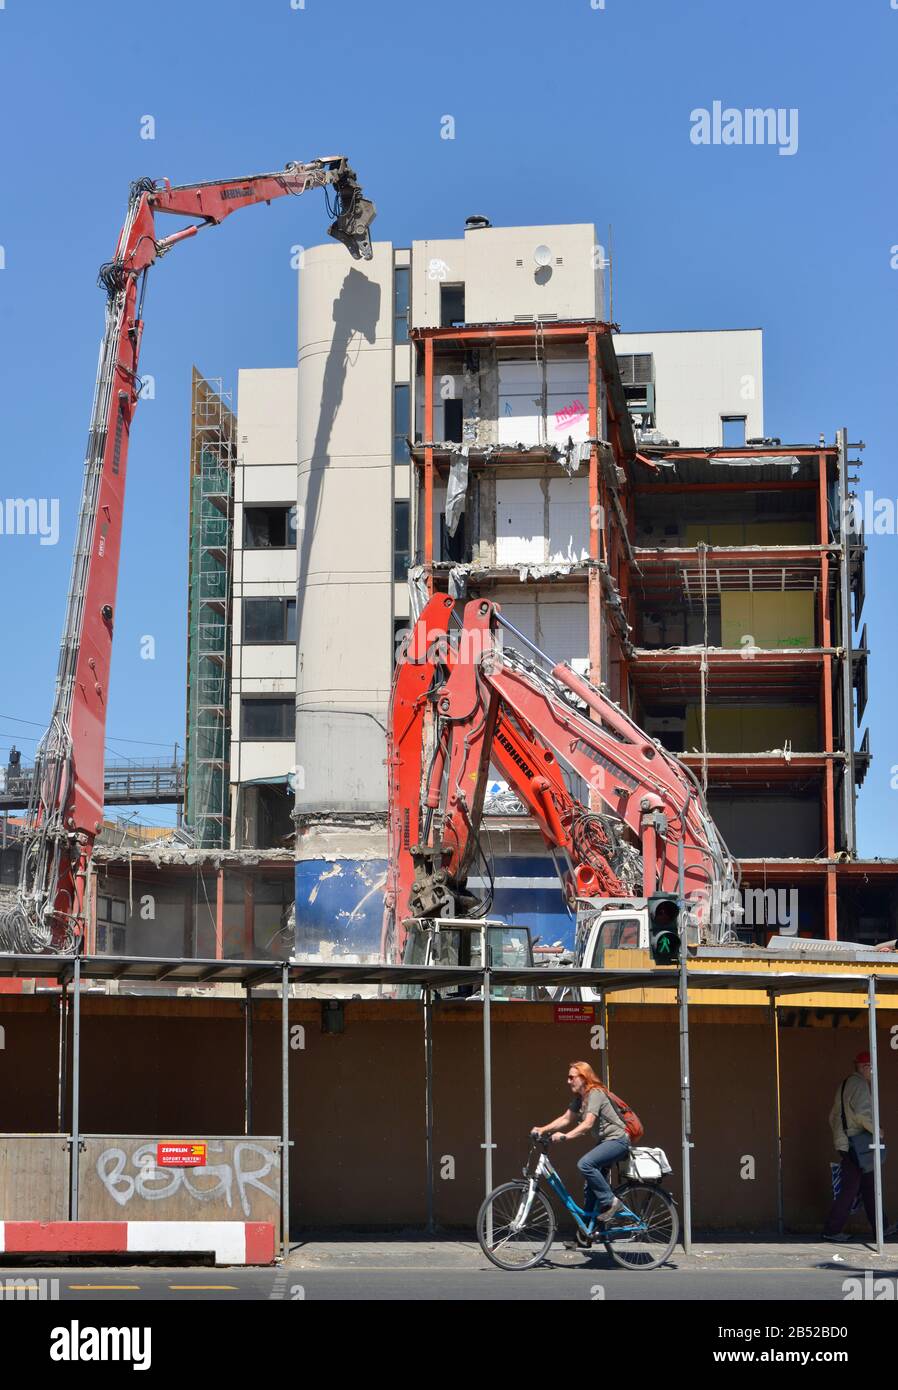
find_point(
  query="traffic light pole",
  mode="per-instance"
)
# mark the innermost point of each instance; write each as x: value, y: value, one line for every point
x: 685, y: 1086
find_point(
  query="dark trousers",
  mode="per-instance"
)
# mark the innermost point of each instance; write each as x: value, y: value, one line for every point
x: 594, y: 1166
x: 852, y: 1180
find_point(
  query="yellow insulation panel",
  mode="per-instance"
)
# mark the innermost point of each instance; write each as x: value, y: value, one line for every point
x: 771, y: 619
x: 753, y: 728
x: 750, y: 533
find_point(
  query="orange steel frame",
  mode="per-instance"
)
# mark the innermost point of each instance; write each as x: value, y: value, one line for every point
x: 830, y: 922
x: 601, y: 527
x: 605, y: 545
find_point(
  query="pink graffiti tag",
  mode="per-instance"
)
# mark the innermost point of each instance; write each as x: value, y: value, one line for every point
x: 570, y: 415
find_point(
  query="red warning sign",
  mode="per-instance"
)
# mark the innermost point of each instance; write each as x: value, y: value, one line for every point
x: 180, y: 1155
x: 575, y: 1013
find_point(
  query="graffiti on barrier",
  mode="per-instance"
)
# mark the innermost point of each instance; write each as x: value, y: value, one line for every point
x: 248, y: 1166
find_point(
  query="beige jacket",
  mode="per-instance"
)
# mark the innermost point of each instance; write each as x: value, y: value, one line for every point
x: 858, y: 1111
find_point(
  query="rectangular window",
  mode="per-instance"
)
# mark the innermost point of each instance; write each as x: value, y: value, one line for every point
x: 401, y: 422
x: 110, y: 940
x: 401, y: 556
x: 112, y: 914
x: 268, y: 719
x: 401, y: 629
x: 453, y: 421
x: 733, y: 428
x: 270, y: 621
x: 113, y: 910
x: 400, y: 304
x: 452, y: 306
x: 269, y: 528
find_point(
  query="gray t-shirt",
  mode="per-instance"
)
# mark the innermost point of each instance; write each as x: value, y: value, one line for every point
x: 608, y: 1124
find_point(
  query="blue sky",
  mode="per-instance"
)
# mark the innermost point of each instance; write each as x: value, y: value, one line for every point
x: 563, y: 113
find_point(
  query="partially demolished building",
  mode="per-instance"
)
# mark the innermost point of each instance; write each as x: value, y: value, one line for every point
x: 464, y: 418
x: 468, y: 421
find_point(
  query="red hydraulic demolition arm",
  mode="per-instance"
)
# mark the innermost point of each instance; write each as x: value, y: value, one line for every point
x: 460, y: 702
x: 66, y: 809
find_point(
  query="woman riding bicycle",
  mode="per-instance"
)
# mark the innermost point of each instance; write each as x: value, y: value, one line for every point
x: 592, y: 1116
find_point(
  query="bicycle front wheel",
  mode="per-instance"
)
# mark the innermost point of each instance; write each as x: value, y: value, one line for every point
x: 507, y: 1238
x: 647, y: 1241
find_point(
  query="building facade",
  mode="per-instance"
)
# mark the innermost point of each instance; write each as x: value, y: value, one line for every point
x: 263, y: 657
x: 468, y: 421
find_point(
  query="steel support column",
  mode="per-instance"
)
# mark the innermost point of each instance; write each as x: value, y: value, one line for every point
x: 248, y: 1061
x: 596, y: 520
x: 824, y: 638
x: 285, y: 1110
x: 685, y: 1083
x: 428, y: 1104
x: 488, y: 1144
x: 846, y: 629
x: 76, y: 1089
x: 63, y: 1053
x: 249, y: 916
x: 778, y: 1118
x: 876, y: 1144
x: 427, y: 530
x: 219, y: 914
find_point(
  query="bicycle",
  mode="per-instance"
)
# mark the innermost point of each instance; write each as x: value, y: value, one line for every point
x: 516, y: 1221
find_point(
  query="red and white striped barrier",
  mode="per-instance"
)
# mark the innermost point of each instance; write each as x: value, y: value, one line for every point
x: 232, y: 1242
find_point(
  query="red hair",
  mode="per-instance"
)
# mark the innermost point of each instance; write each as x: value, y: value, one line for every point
x: 585, y: 1071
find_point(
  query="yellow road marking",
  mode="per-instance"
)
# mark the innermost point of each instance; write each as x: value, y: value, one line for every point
x: 216, y: 1287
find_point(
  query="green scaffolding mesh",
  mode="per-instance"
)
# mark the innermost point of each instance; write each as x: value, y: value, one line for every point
x: 209, y: 618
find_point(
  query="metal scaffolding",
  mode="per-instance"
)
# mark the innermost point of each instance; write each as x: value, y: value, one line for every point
x: 212, y: 463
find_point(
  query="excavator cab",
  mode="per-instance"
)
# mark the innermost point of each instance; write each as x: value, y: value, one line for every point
x: 460, y: 941
x: 605, y: 928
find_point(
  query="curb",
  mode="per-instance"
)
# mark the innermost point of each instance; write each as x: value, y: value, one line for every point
x: 231, y: 1242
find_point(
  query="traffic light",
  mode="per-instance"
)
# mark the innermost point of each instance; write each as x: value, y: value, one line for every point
x: 664, y: 928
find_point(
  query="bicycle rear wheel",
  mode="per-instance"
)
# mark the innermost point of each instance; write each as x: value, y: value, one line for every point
x: 649, y: 1240
x: 509, y: 1248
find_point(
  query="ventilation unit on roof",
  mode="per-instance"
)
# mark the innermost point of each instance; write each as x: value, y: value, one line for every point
x: 636, y: 368
x: 637, y: 371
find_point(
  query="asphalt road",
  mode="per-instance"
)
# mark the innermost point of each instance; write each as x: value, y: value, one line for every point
x: 582, y: 1283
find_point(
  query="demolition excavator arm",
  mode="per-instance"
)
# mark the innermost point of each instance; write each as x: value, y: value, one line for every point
x: 463, y: 701
x: 66, y: 809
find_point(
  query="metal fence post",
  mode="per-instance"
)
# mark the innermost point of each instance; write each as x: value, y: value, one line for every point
x: 63, y: 1052
x: 874, y: 1087
x: 76, y: 1088
x: 685, y: 1102
x: 778, y: 1118
x: 428, y: 1102
x: 488, y: 1144
x: 685, y: 1084
x: 248, y: 1061
x: 285, y: 1110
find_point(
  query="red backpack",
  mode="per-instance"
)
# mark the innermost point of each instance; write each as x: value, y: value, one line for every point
x: 629, y: 1119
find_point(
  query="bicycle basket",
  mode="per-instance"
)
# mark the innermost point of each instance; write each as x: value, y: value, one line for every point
x: 648, y: 1164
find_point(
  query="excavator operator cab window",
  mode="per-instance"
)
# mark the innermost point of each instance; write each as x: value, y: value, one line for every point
x: 620, y: 933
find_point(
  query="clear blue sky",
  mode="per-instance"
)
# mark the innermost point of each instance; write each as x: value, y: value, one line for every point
x: 563, y: 113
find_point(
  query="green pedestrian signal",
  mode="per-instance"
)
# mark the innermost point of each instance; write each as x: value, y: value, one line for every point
x: 664, y: 929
